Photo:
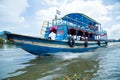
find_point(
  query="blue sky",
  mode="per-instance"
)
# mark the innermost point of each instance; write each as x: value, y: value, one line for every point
x: 26, y: 16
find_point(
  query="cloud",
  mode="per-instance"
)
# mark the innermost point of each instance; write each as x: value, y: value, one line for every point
x: 46, y: 14
x: 56, y: 3
x: 114, y: 31
x: 32, y: 13
x: 93, y: 8
x: 11, y: 16
x: 11, y: 10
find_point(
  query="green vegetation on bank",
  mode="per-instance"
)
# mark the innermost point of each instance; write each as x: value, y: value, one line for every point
x: 1, y: 41
x: 5, y: 42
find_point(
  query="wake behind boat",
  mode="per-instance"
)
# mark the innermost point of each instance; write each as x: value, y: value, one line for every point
x: 74, y: 32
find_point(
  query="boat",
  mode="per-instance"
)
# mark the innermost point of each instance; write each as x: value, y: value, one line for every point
x: 74, y: 32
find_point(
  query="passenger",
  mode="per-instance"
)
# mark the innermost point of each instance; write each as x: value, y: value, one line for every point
x: 78, y: 38
x: 52, y: 36
x: 82, y: 38
x: 86, y: 39
x: 74, y: 37
x: 70, y: 35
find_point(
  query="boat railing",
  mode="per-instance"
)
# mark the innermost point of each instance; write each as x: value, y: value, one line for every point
x: 78, y: 24
x: 81, y: 26
x: 44, y: 26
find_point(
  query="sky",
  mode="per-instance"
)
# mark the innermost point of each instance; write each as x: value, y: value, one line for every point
x: 27, y: 16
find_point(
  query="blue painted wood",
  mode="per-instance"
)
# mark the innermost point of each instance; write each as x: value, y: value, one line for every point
x: 39, y: 46
x: 42, y: 50
x: 28, y: 44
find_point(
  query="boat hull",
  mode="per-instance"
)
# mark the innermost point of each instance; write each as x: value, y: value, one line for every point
x: 42, y: 50
x: 39, y: 46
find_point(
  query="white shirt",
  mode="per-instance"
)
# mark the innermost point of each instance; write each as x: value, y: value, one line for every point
x: 52, y: 35
x: 78, y: 38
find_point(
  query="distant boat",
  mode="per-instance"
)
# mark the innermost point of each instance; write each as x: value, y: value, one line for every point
x: 75, y: 32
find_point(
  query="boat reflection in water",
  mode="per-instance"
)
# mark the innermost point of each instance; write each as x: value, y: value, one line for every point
x: 51, y: 67
x: 99, y: 64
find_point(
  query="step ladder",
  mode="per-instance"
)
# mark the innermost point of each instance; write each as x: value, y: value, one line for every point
x: 43, y: 29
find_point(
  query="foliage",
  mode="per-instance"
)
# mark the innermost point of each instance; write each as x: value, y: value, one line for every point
x: 1, y: 41
x: 5, y: 42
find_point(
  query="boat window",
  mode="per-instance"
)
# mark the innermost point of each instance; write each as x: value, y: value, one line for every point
x: 72, y: 31
x: 91, y: 35
x: 96, y: 28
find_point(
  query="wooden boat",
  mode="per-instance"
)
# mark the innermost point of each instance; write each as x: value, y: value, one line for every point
x: 74, y: 32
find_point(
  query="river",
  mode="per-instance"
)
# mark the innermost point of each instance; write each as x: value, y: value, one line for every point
x: 100, y: 64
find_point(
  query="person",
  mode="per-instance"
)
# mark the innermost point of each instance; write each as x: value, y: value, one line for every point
x: 52, y: 36
x: 86, y: 39
x: 74, y: 37
x: 78, y: 38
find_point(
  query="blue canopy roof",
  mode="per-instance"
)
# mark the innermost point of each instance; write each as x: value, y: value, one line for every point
x: 79, y: 18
